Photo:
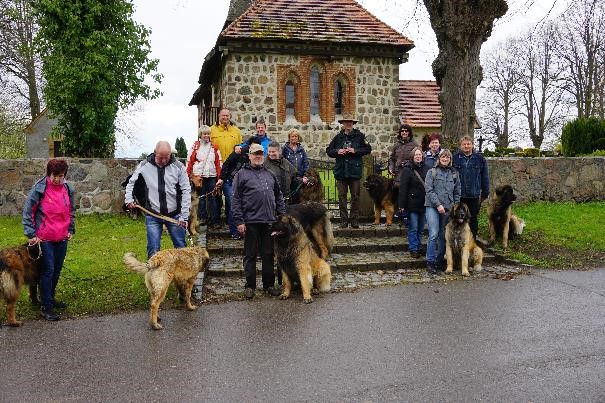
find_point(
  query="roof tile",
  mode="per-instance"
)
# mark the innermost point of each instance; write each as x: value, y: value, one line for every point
x: 313, y: 20
x: 419, y: 103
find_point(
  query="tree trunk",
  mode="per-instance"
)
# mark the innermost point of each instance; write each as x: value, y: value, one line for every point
x: 461, y: 27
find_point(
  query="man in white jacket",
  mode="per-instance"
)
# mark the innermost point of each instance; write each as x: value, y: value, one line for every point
x: 168, y: 194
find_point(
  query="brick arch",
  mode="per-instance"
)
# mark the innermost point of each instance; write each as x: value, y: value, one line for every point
x: 347, y: 77
x: 323, y: 105
x: 285, y: 74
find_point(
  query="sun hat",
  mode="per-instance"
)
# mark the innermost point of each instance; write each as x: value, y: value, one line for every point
x: 347, y: 117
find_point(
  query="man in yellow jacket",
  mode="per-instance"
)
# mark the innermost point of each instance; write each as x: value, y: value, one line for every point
x: 226, y: 136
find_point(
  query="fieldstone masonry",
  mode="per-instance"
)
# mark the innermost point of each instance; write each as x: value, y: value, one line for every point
x: 98, y: 181
x: 252, y: 86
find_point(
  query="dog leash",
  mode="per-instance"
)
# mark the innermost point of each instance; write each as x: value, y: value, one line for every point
x: 39, y: 251
x: 165, y: 218
x: 310, y: 182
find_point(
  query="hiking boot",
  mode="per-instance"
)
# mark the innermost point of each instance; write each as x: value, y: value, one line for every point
x: 59, y: 305
x: 355, y: 225
x: 273, y: 291
x: 414, y: 254
x: 344, y: 224
x: 249, y: 293
x: 430, y: 268
x: 49, y: 314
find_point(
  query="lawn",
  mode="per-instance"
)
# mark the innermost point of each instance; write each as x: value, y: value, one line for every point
x: 94, y: 280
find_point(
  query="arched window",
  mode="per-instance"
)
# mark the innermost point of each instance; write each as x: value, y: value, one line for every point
x: 290, y: 99
x: 315, y: 91
x: 338, y: 97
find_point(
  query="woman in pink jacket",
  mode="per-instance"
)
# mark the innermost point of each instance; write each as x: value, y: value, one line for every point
x: 49, y: 219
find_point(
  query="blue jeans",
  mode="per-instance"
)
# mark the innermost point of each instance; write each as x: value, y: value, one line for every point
x: 208, y: 204
x: 154, y: 234
x: 228, y: 191
x: 435, y: 250
x: 415, y: 230
x: 53, y: 255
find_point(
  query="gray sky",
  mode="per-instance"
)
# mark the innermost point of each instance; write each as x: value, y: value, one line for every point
x: 183, y: 31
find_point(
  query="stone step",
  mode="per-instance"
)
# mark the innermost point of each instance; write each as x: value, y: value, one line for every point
x: 230, y: 247
x: 365, y: 230
x: 233, y: 266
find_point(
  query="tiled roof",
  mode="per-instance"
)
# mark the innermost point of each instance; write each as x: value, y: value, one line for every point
x: 313, y: 20
x: 419, y: 103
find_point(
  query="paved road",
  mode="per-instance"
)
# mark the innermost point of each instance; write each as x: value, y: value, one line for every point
x: 540, y: 337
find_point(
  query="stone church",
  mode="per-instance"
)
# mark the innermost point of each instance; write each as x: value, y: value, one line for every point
x: 302, y: 64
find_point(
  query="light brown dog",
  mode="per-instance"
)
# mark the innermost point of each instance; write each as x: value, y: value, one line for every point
x: 179, y: 265
x: 384, y: 195
x: 297, y: 259
x: 194, y: 221
x: 460, y: 246
x: 19, y: 265
x: 502, y: 222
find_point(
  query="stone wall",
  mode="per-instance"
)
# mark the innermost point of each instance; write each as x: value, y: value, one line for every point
x: 252, y: 86
x: 98, y: 189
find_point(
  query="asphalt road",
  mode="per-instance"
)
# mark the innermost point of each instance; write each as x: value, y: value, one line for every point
x: 540, y: 337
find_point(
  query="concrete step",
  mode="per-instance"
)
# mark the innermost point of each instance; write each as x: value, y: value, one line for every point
x: 339, y: 262
x: 366, y: 230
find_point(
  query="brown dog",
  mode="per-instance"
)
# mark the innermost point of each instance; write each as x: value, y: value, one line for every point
x: 178, y: 265
x: 502, y: 222
x: 194, y: 221
x: 313, y: 191
x: 18, y: 266
x: 384, y: 195
x: 298, y: 260
x: 460, y: 246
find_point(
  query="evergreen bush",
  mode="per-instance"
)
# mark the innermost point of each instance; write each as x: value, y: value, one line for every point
x: 581, y: 135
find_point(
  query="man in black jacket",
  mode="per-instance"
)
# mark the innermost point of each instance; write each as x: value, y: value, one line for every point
x: 255, y: 204
x: 348, y: 147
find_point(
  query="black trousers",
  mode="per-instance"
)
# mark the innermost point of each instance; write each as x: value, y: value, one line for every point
x: 474, y: 205
x: 258, y: 241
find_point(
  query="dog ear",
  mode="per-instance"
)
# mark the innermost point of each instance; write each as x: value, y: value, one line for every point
x: 499, y: 191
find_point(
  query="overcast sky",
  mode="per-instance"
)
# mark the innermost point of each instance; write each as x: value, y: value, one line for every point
x: 183, y: 31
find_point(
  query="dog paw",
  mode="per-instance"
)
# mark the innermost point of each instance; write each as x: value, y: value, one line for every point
x: 156, y: 326
x: 449, y: 270
x: 284, y: 296
x: 192, y: 308
x: 315, y: 291
x: 465, y: 273
x: 307, y: 300
x: 477, y: 269
x: 16, y: 323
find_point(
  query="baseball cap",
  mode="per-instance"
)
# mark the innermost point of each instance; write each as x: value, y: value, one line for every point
x: 256, y: 148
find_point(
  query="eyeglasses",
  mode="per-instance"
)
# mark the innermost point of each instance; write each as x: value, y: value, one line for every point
x: 403, y: 131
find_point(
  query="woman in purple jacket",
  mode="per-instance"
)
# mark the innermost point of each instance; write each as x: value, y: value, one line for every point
x: 49, y: 219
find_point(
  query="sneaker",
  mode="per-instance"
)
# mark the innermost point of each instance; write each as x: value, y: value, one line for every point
x: 273, y: 291
x: 49, y: 314
x: 249, y: 293
x: 59, y: 305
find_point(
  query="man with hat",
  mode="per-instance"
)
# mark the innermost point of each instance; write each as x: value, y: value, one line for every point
x: 255, y: 204
x: 348, y: 147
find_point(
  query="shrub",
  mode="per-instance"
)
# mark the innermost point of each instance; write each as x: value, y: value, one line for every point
x: 599, y: 144
x: 581, y: 135
x: 531, y: 152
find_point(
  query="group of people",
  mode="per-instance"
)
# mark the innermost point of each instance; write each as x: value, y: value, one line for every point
x: 258, y: 177
x: 430, y: 183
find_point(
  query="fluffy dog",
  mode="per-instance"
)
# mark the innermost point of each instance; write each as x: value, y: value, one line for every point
x: 178, y: 265
x: 315, y: 220
x: 313, y: 190
x: 502, y: 223
x: 383, y: 194
x: 19, y: 265
x: 460, y: 245
x: 297, y: 259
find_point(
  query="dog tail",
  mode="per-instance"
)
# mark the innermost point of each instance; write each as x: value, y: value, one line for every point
x: 133, y: 264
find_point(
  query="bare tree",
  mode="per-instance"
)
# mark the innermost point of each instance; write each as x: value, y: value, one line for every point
x: 19, y: 62
x: 461, y: 27
x: 582, y: 47
x: 541, y: 77
x: 500, y: 92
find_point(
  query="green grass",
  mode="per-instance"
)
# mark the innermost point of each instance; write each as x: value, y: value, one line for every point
x: 94, y: 279
x: 558, y: 235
